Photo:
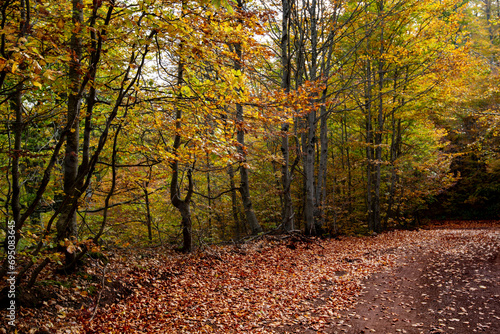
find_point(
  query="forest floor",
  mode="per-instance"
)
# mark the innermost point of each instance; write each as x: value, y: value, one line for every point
x: 444, y: 279
x: 450, y: 285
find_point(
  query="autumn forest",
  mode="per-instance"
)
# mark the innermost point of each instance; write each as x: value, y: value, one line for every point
x: 138, y: 123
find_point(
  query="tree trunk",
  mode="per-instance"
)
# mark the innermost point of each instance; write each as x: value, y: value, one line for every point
x: 187, y: 230
x: 209, y: 194
x: 175, y: 193
x: 369, y: 146
x: 251, y: 218
x: 234, y: 203
x: 148, y: 205
x: 16, y: 103
x: 309, y: 139
x: 287, y: 218
x: 148, y: 213
x: 395, y: 140
x: 369, y: 176
x: 349, y: 167
x: 17, y: 106
x: 240, y: 137
x: 322, y: 169
x: 395, y: 150
x: 378, y: 139
x: 334, y: 200
x: 66, y: 224
x: 183, y: 206
x: 323, y: 153
x: 309, y: 207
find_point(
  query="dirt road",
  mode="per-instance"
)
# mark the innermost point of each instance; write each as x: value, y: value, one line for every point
x: 451, y: 285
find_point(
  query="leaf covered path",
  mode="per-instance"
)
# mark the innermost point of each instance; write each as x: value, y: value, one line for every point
x: 309, y: 287
x: 449, y: 286
x: 427, y: 281
x: 257, y: 289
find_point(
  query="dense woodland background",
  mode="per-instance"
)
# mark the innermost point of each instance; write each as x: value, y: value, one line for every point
x: 195, y: 122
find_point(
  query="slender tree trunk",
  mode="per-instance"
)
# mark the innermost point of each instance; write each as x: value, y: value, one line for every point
x: 148, y: 214
x: 394, y: 150
x: 209, y: 194
x: 66, y: 224
x: 234, y: 203
x: 251, y: 218
x: 309, y: 207
x: 16, y: 105
x: 96, y: 45
x: 297, y: 23
x: 77, y: 178
x: 309, y: 139
x: 148, y: 205
x: 369, y: 146
x: 378, y: 138
x: 187, y: 229
x: 182, y: 205
x: 349, y: 167
x: 395, y: 139
x: 323, y: 153
x: 287, y: 218
x: 322, y: 169
x: 240, y: 137
x: 334, y: 200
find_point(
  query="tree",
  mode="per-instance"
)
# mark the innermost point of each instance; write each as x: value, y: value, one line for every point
x: 66, y: 224
x: 53, y: 85
x: 240, y: 136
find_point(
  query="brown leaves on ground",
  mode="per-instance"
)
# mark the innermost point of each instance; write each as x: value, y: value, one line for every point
x: 253, y: 289
x: 263, y: 287
x: 451, y: 285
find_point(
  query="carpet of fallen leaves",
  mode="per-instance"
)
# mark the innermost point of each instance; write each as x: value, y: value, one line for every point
x: 449, y: 285
x: 272, y: 285
x: 251, y: 289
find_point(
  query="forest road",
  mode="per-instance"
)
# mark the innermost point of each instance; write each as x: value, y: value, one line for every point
x: 450, y: 286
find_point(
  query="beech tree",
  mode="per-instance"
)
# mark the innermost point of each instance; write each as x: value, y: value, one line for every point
x: 38, y: 71
x: 397, y: 66
x: 315, y: 115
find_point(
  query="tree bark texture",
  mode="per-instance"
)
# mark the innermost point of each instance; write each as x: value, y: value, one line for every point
x: 251, y: 218
x: 182, y: 205
x: 66, y: 224
x: 287, y: 217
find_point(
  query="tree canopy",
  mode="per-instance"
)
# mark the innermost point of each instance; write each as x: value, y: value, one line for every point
x: 191, y: 122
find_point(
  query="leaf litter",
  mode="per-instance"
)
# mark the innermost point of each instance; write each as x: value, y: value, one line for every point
x: 270, y: 287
